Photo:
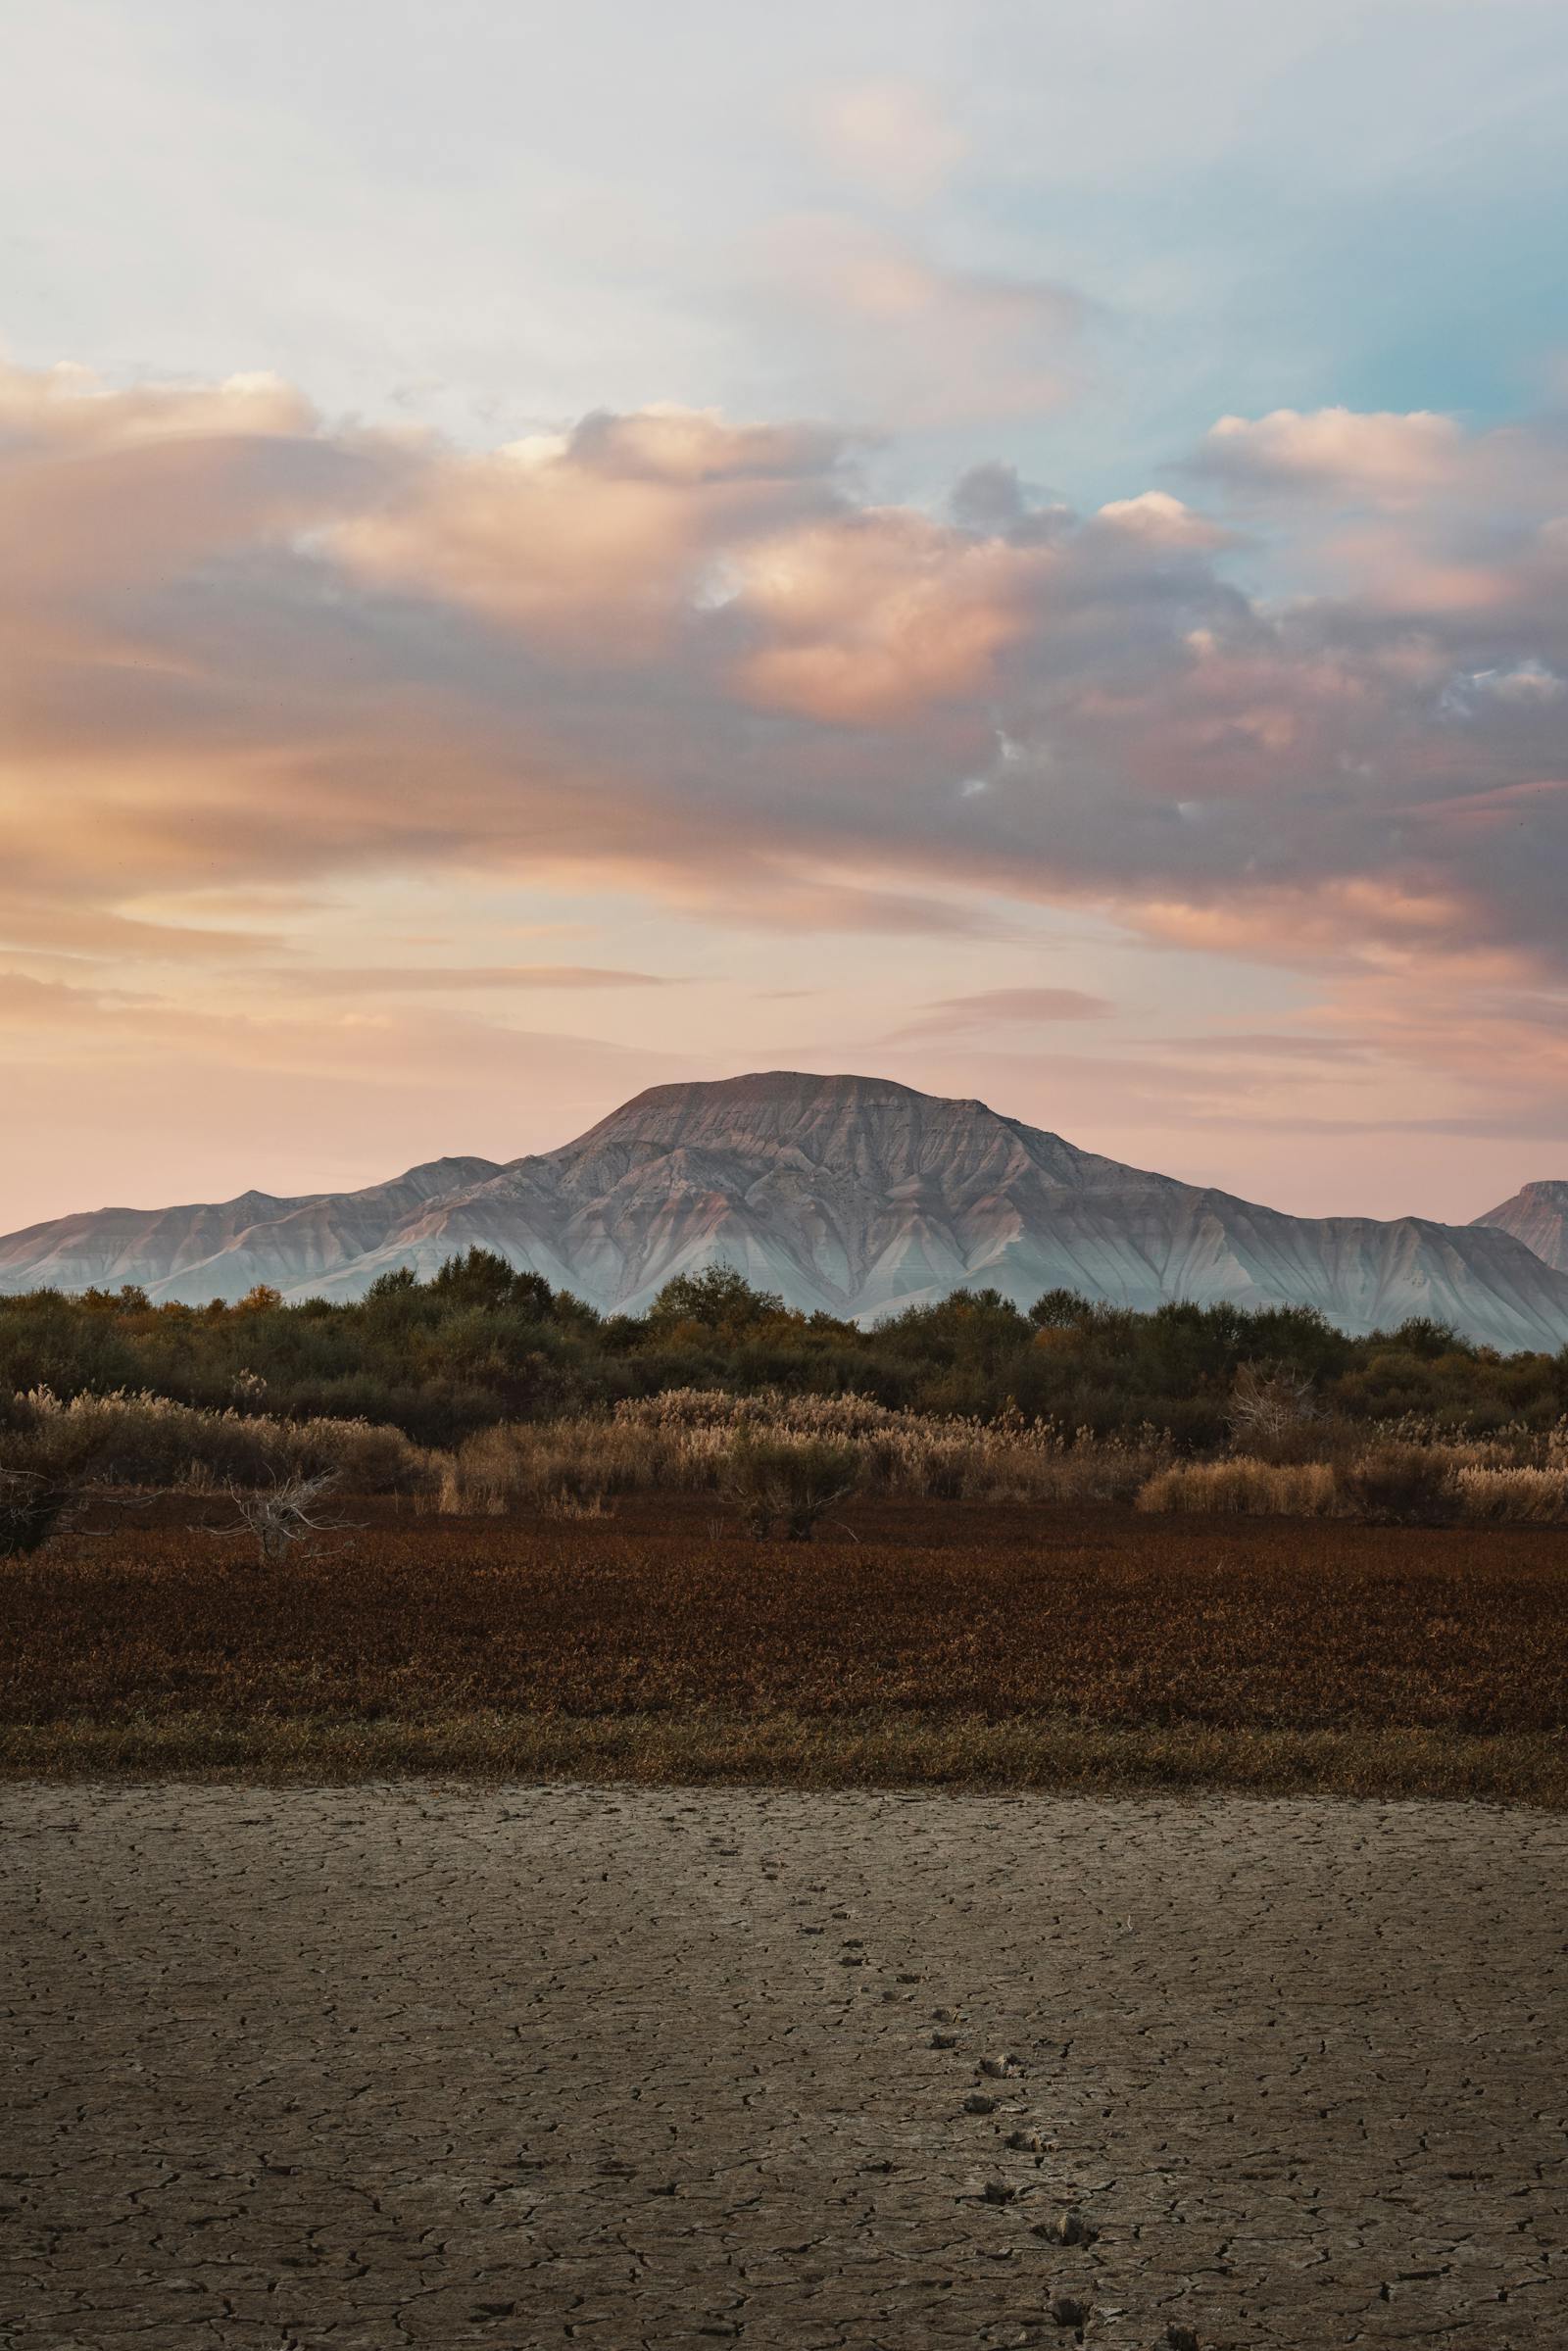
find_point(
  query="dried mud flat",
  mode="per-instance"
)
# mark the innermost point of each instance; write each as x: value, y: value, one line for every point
x: 420, y: 2065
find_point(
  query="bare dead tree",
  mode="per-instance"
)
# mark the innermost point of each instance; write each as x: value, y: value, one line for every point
x: 288, y: 1512
x: 33, y: 1507
x: 1269, y: 1403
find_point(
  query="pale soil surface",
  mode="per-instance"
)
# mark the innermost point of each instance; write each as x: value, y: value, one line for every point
x: 421, y: 2066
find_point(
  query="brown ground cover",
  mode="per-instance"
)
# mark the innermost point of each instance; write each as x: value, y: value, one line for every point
x: 1078, y: 1648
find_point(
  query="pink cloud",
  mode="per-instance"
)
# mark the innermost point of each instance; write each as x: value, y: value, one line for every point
x: 681, y: 654
x: 866, y: 618
x: 1381, y: 458
x: 1004, y: 1007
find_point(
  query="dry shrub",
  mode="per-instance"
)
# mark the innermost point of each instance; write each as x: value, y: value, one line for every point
x: 679, y: 1409
x: 149, y: 1440
x: 565, y: 1507
x: 1525, y: 1497
x: 1259, y: 1489
x: 1513, y: 1445
x: 365, y: 1457
x: 791, y: 1484
x: 1272, y: 1412
x: 1391, y: 1484
x: 31, y: 1509
x: 1402, y: 1485
x: 916, y: 1455
x: 682, y: 1441
x: 556, y: 1466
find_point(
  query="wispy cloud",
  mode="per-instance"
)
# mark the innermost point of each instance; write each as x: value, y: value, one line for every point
x: 898, y: 338
x: 990, y: 1007
x: 444, y: 979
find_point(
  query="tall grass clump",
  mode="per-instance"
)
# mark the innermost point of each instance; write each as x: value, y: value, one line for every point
x: 914, y: 1455
x: 683, y: 1442
x: 1517, y: 1497
x: 1257, y: 1489
x: 147, y: 1440
x: 553, y: 1465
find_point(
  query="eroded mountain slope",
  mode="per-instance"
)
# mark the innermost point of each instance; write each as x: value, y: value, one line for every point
x: 850, y: 1195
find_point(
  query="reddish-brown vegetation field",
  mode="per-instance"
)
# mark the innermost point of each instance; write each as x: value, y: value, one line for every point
x: 945, y: 1643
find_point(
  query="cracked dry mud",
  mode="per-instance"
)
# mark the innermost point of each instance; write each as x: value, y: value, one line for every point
x: 418, y: 2066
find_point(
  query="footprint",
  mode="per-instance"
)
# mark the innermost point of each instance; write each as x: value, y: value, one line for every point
x: 1067, y: 2229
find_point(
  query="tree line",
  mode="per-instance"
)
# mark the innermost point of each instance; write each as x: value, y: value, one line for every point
x: 481, y: 1341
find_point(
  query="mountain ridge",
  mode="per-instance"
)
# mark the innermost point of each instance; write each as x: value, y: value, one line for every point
x: 856, y: 1196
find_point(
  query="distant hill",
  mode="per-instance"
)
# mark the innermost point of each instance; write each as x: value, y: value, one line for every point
x: 851, y: 1195
x: 1536, y: 1215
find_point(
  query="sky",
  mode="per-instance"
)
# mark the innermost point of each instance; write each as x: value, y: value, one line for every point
x: 1017, y: 547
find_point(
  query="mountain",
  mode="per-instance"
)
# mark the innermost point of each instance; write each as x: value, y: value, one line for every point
x: 201, y: 1252
x: 848, y: 1194
x: 1538, y: 1216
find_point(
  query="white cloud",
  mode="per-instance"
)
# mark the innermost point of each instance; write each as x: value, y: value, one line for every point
x: 1161, y: 521
x: 1384, y: 459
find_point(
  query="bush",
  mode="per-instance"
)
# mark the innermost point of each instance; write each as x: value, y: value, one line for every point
x: 793, y: 1482
x: 147, y: 1440
x: 1402, y: 1485
x: 1261, y: 1489
x: 522, y: 1467
x: 682, y: 1439
x: 1527, y: 1496
x: 362, y: 1457
x: 921, y: 1457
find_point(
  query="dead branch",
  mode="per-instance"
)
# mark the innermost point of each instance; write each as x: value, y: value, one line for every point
x: 284, y: 1514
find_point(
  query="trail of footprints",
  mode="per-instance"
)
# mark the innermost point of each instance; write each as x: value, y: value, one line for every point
x: 424, y: 2068
x: 999, y: 2094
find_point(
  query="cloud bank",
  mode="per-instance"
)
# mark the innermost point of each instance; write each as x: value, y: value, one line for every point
x: 250, y: 646
x: 298, y: 719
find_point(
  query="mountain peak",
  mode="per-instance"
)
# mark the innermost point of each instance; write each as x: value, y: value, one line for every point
x: 865, y: 1126
x: 1536, y: 1215
x: 789, y: 1089
x: 852, y: 1194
